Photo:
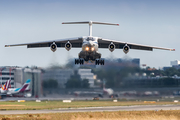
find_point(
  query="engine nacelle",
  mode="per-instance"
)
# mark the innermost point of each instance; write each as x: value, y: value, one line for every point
x: 126, y: 49
x: 68, y: 46
x: 53, y: 47
x: 112, y: 47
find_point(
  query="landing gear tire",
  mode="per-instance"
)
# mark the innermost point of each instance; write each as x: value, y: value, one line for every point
x: 102, y: 62
x: 99, y: 62
x: 76, y: 61
x: 79, y: 61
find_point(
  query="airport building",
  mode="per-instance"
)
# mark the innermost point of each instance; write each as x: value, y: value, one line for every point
x: 34, y: 75
x: 7, y: 73
x: 175, y: 63
x: 87, y: 74
x: 61, y: 75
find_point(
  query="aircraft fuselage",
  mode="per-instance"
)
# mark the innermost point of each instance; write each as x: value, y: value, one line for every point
x: 90, y: 49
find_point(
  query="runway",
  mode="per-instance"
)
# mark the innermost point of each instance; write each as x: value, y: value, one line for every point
x: 96, y: 109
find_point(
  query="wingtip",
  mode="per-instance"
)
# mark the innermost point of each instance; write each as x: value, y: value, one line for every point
x: 117, y: 24
x: 172, y: 50
x: 7, y: 46
x: 62, y: 23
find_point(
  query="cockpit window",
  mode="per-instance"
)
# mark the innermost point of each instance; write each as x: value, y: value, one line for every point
x: 90, y: 38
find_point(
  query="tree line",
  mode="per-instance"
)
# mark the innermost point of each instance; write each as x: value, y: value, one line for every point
x: 73, y: 82
x: 116, y: 78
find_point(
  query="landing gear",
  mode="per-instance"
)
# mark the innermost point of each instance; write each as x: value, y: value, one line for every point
x: 79, y: 61
x: 99, y: 62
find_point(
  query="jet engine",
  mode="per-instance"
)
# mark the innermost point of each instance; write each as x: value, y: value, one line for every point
x: 126, y: 49
x: 68, y: 46
x: 53, y: 47
x: 112, y: 47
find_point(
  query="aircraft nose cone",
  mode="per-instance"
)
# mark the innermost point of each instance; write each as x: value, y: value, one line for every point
x: 90, y: 43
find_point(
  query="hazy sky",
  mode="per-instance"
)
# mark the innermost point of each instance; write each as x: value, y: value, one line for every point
x: 148, y: 22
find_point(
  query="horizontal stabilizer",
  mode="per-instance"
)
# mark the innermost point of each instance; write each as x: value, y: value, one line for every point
x: 90, y: 22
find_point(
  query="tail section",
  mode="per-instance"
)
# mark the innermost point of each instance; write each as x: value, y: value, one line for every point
x: 8, y: 84
x: 90, y: 24
x: 25, y: 86
x: 5, y: 86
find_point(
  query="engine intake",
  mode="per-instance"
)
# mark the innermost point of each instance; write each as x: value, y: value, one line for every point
x: 68, y: 46
x: 112, y: 47
x: 53, y: 47
x: 126, y: 49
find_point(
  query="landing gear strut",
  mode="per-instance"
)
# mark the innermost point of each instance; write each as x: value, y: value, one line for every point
x: 79, y: 61
x: 99, y: 62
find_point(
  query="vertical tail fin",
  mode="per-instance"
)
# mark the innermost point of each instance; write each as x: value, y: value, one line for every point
x: 6, y: 85
x: 25, y: 85
x: 90, y: 24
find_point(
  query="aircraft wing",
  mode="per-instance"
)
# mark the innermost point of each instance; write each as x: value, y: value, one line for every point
x: 76, y: 42
x: 104, y: 43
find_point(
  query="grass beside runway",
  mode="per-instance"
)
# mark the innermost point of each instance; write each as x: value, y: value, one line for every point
x: 32, y: 105
x: 119, y: 115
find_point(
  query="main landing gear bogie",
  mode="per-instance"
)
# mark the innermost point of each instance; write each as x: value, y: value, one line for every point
x: 79, y: 61
x: 99, y: 62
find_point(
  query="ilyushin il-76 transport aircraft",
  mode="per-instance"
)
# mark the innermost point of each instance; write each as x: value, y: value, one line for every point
x: 89, y: 45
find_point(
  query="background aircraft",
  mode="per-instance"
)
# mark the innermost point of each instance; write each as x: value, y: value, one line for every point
x: 90, y: 45
x: 24, y: 88
x: 5, y: 87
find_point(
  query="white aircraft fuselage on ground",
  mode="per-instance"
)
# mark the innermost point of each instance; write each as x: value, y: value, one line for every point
x: 24, y: 88
x: 89, y: 45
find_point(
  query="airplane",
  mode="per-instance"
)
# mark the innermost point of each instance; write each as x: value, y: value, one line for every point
x: 108, y: 91
x: 24, y: 88
x: 5, y: 87
x: 89, y: 45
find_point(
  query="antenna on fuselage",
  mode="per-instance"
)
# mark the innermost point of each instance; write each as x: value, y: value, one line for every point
x: 90, y: 24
